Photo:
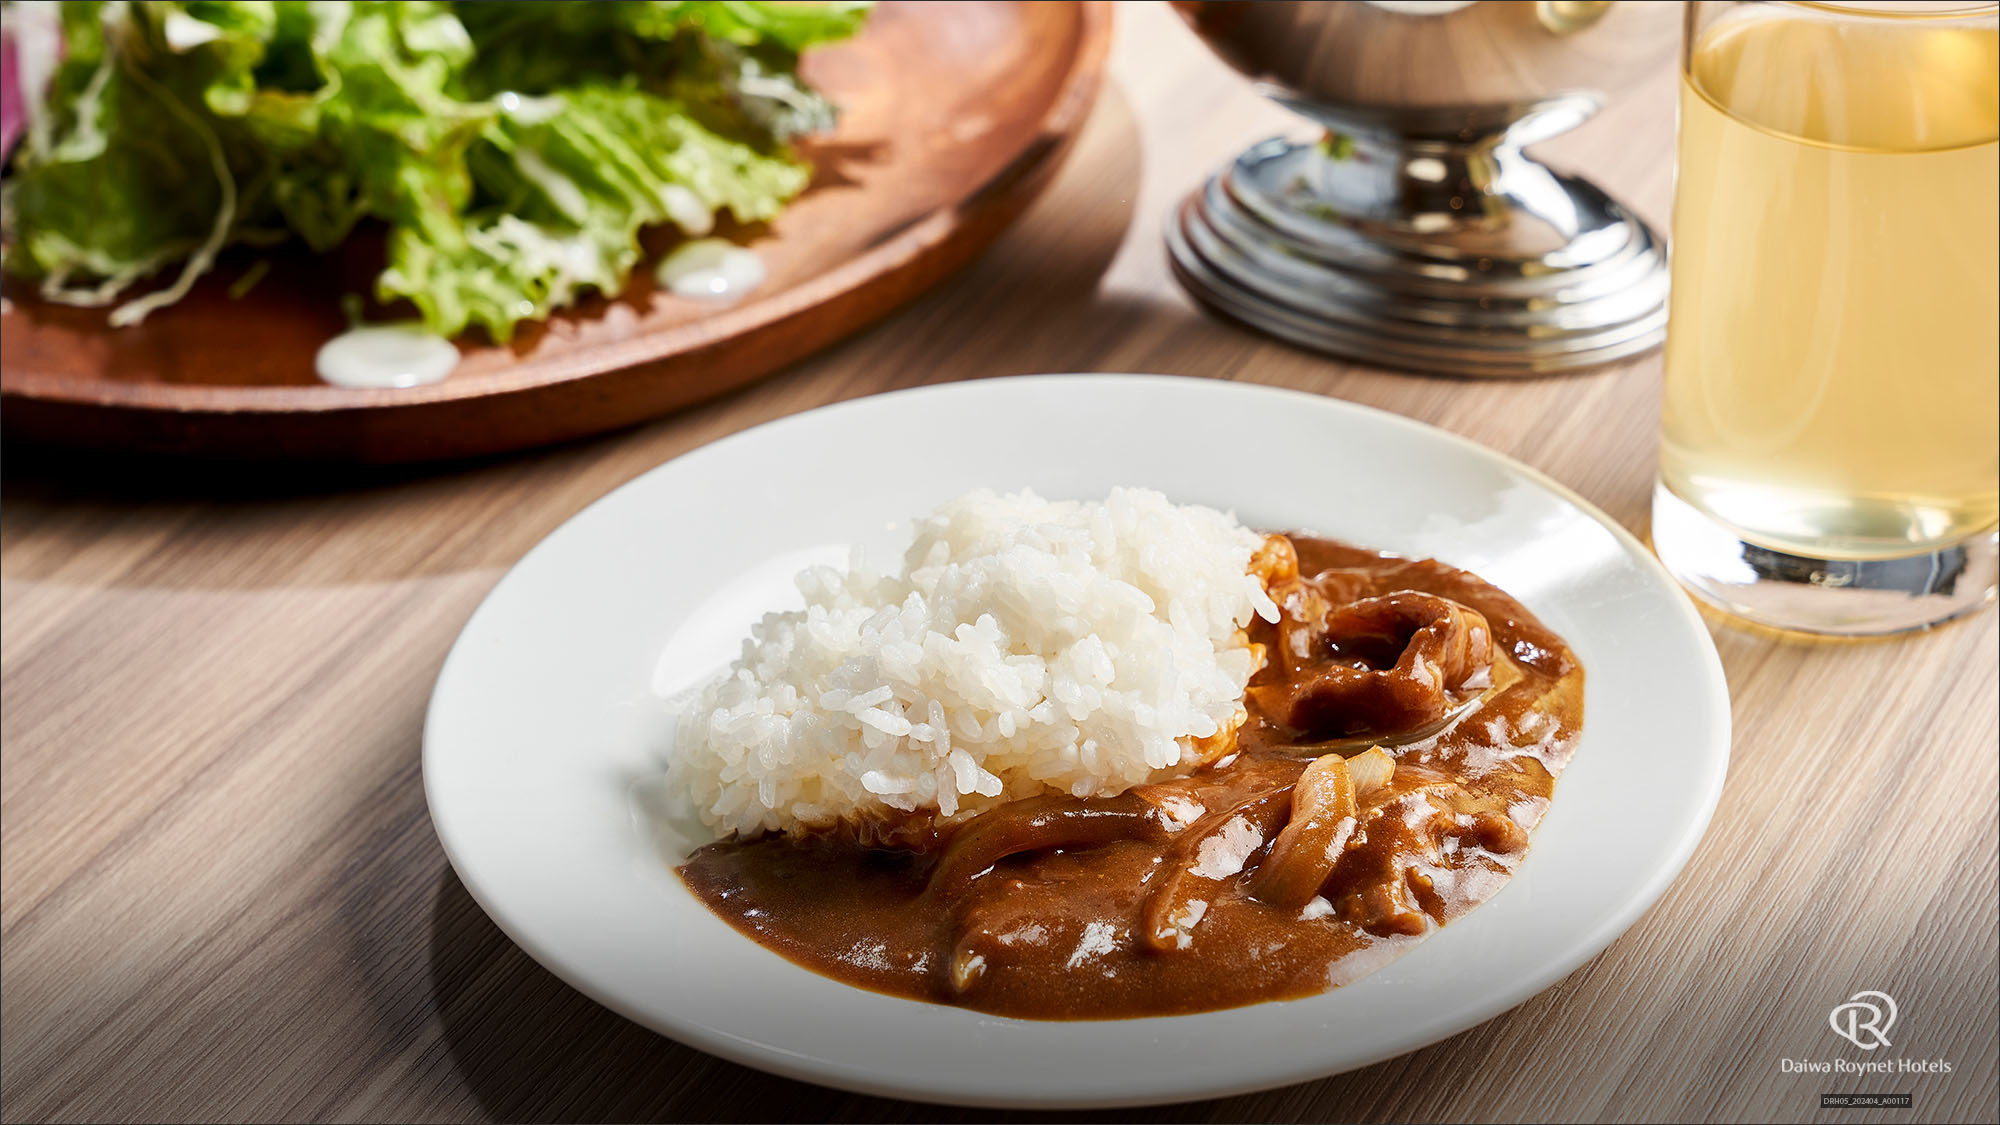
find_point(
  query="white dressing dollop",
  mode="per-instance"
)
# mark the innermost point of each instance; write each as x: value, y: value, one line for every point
x: 711, y: 269
x: 385, y: 355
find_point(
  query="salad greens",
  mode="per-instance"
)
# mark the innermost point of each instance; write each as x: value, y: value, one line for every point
x: 513, y: 150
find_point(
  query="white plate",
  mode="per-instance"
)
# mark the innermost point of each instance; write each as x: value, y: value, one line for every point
x: 547, y: 721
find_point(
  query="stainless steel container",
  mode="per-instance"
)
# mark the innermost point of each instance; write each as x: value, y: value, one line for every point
x: 1417, y: 233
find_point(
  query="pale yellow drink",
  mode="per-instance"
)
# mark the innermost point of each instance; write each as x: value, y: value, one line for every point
x: 1832, y: 379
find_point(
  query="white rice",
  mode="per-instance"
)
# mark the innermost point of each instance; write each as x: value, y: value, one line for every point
x: 1029, y: 646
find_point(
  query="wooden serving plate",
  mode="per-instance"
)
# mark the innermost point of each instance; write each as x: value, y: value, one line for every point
x: 953, y: 116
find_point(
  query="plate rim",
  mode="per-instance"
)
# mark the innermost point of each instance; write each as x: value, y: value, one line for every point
x: 1645, y: 894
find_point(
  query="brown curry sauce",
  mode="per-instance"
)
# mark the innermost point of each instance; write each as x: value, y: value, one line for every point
x: 1256, y: 878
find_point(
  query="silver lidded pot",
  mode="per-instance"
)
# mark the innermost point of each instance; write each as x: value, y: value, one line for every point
x: 1417, y: 233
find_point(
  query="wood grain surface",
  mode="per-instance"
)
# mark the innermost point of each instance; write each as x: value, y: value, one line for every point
x: 223, y: 899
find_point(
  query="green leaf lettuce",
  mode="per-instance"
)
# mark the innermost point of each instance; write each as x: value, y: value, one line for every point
x: 513, y: 152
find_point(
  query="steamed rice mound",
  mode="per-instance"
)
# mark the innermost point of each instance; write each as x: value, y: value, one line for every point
x: 1029, y: 646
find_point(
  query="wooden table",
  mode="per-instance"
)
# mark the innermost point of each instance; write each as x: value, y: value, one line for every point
x: 224, y: 901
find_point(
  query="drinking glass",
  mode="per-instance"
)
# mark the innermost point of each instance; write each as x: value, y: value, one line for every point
x: 1830, y: 422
